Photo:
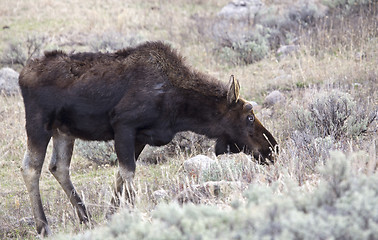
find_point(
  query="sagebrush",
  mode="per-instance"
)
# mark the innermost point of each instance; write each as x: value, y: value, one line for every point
x: 342, y: 207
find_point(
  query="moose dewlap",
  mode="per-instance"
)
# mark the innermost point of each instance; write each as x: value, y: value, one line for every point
x: 136, y: 96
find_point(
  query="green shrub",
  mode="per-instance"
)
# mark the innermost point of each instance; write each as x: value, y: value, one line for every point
x: 331, y: 113
x: 246, y: 51
x: 324, y: 123
x: 342, y: 207
x: 247, y: 40
x: 345, y: 3
x: 96, y: 151
x: 312, y: 150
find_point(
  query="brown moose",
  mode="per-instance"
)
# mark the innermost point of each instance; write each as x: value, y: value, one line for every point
x: 136, y: 96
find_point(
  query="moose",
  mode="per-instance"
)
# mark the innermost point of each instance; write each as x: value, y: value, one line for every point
x: 135, y: 96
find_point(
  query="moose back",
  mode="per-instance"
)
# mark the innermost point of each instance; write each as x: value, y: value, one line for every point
x: 136, y: 96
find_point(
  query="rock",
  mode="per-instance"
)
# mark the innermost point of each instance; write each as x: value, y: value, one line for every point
x: 254, y: 104
x: 196, y: 165
x: 273, y: 98
x: 160, y: 195
x: 9, y: 81
x: 241, y: 9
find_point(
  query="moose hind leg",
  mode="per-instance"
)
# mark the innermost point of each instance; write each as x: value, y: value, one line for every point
x: 31, y: 172
x: 60, y: 168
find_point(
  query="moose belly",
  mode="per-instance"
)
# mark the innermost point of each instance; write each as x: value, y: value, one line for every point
x: 91, y: 134
x: 95, y: 127
x: 154, y: 137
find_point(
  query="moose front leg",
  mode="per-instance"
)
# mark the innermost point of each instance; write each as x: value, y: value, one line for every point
x: 119, y: 182
x: 127, y: 152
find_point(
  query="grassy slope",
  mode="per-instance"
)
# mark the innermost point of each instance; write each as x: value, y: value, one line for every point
x: 68, y: 27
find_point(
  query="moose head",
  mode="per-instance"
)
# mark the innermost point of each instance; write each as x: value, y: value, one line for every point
x: 246, y: 133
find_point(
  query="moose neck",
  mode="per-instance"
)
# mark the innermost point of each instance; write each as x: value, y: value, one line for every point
x: 201, y: 114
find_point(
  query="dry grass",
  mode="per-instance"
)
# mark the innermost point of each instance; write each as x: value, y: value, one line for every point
x: 322, y: 62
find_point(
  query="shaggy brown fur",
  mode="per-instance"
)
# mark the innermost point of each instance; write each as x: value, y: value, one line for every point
x: 136, y: 96
x: 154, y: 54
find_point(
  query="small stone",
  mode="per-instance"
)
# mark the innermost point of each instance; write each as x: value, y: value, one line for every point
x: 160, y: 195
x: 253, y: 103
x: 196, y: 165
x: 273, y: 98
x: 8, y: 81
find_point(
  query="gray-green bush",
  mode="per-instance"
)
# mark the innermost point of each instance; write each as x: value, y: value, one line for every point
x: 250, y: 50
x: 347, y: 4
x: 326, y: 122
x: 245, y: 41
x: 342, y: 207
x: 98, y: 152
x: 332, y: 113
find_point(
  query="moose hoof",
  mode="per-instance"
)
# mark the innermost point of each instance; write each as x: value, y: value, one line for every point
x: 44, y: 230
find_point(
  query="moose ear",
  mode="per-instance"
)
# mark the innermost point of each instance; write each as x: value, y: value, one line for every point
x: 234, y: 91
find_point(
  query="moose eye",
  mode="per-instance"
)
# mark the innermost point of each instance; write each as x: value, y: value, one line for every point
x: 250, y: 118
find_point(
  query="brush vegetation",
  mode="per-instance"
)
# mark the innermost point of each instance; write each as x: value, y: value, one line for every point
x: 324, y: 176
x: 342, y: 206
